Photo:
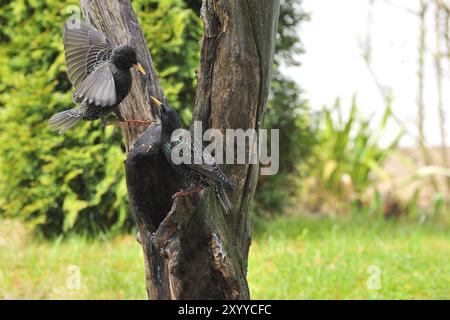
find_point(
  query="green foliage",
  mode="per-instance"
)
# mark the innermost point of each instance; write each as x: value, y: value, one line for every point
x: 173, y: 33
x: 76, y: 181
x: 288, y: 40
x: 291, y: 115
x: 289, y: 112
x: 346, y: 160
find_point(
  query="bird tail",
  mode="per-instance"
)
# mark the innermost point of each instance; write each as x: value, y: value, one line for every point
x: 225, y: 202
x: 230, y: 185
x: 226, y: 182
x: 65, y: 120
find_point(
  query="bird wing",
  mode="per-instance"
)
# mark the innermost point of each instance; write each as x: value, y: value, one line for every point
x: 98, y: 88
x: 84, y: 48
x: 209, y: 166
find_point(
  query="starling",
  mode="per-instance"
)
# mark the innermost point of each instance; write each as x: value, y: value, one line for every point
x: 99, y: 72
x: 206, y: 174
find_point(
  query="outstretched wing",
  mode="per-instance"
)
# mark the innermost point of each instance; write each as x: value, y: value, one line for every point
x: 98, y: 88
x: 85, y: 47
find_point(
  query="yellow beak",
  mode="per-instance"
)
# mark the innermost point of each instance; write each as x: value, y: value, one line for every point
x: 139, y: 68
x: 156, y: 101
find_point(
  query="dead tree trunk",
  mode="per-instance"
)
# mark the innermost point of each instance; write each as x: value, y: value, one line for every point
x: 191, y: 250
x: 438, y: 69
x: 421, y: 86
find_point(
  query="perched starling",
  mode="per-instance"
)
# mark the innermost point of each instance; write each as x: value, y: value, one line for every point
x: 206, y: 174
x: 99, y: 72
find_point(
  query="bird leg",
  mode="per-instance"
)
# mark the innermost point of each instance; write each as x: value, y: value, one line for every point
x: 141, y: 122
x: 180, y: 194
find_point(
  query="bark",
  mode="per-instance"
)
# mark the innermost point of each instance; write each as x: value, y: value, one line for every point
x: 191, y: 250
x: 420, y: 98
x: 447, y: 31
x: 421, y: 84
x: 440, y: 103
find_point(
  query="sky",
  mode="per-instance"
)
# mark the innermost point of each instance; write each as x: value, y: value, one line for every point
x: 333, y: 65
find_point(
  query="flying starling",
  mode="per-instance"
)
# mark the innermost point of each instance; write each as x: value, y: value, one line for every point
x: 203, y: 175
x: 99, y: 72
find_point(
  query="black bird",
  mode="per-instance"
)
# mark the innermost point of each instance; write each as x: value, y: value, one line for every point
x: 99, y: 72
x: 206, y: 174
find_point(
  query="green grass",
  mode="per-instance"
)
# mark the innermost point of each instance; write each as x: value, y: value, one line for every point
x: 291, y: 258
x: 326, y: 259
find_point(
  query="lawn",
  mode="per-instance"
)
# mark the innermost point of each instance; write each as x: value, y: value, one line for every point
x: 291, y: 258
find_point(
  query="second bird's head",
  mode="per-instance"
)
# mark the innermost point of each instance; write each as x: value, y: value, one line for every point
x: 169, y: 117
x: 125, y: 57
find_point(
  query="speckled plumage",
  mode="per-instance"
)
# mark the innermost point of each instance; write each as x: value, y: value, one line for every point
x: 206, y: 174
x: 99, y: 72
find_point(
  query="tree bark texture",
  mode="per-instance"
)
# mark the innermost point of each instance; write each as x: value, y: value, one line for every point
x: 191, y: 250
x: 440, y: 103
x: 421, y: 87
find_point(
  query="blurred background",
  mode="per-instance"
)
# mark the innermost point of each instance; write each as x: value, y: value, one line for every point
x: 359, y: 209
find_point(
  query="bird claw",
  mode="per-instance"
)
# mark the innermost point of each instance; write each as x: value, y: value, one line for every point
x: 180, y: 194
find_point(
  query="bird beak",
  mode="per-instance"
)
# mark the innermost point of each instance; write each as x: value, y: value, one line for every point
x: 139, y: 68
x: 156, y: 101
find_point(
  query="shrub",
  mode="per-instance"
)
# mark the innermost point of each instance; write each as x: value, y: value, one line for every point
x: 346, y: 160
x: 75, y: 181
